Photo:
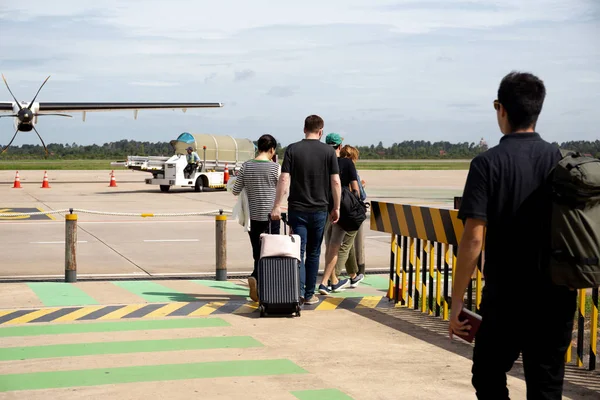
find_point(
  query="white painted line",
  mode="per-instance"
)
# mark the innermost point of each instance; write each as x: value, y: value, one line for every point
x: 200, y: 273
x: 52, y: 223
x: 172, y: 240
x: 79, y: 241
x: 79, y: 275
x: 379, y: 237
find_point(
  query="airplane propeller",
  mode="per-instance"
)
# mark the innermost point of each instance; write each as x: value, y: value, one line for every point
x: 26, y: 116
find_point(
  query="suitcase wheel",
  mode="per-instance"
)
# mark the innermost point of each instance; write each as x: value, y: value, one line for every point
x: 262, y: 310
x: 298, y: 310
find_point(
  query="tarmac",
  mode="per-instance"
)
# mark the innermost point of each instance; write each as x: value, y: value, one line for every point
x: 118, y: 246
x: 143, y: 338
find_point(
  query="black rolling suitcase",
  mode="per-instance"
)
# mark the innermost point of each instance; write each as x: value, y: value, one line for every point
x: 278, y: 273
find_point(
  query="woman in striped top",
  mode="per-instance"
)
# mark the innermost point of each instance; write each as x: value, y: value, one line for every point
x: 259, y: 177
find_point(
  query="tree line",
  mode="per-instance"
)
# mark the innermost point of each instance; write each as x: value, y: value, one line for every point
x: 409, y: 149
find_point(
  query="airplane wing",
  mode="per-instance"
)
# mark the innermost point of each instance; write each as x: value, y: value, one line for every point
x: 90, y: 107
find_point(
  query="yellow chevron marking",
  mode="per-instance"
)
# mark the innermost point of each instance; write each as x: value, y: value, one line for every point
x: 594, y: 329
x: 78, y: 314
x: 401, y: 219
x: 438, y: 225
x: 369, y: 302
x: 330, y: 303
x: 52, y: 217
x: 385, y: 218
x: 478, y: 292
x: 5, y: 312
x: 120, y: 313
x: 9, y: 211
x: 431, y: 271
x: 246, y: 308
x: 445, y: 303
x: 419, y: 224
x: 581, y: 295
x: 165, y: 310
x: 458, y: 225
x: 31, y: 316
x: 207, y: 309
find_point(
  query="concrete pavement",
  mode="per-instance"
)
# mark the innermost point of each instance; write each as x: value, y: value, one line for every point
x: 134, y: 246
x: 370, y: 351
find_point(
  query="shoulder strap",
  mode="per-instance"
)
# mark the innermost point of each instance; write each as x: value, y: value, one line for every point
x: 564, y: 153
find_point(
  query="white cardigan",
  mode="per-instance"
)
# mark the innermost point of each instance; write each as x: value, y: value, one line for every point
x: 241, y: 210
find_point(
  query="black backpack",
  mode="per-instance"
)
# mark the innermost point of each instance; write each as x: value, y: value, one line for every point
x: 353, y: 211
x: 575, y: 224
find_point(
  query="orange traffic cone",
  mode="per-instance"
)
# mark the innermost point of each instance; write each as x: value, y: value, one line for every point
x: 226, y: 174
x: 17, y: 184
x: 113, y: 181
x: 45, y: 184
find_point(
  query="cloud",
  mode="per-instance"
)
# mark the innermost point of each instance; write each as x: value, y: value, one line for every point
x: 401, y: 69
x: 210, y: 77
x: 464, y: 106
x: 155, y: 84
x: 243, y: 75
x: 443, y: 5
x: 281, y: 91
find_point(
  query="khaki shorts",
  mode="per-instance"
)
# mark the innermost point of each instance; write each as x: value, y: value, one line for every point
x: 336, y: 236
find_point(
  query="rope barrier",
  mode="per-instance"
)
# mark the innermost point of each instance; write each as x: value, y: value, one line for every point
x: 143, y: 215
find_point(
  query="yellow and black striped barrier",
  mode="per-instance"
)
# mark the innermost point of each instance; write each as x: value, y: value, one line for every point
x: 424, y: 247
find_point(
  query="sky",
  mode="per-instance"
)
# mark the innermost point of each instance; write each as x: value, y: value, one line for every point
x: 374, y: 70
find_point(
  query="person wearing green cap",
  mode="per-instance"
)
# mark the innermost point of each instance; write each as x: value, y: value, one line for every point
x: 338, y: 241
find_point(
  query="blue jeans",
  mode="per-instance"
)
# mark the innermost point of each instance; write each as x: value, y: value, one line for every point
x: 310, y: 226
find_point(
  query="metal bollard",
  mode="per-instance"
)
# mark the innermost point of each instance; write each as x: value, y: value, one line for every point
x: 221, y: 246
x: 71, y: 248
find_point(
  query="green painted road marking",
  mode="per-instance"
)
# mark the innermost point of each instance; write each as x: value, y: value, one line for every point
x: 225, y: 286
x: 325, y: 394
x: 116, y: 326
x: 154, y: 292
x: 53, y: 294
x: 150, y: 373
x: 349, y: 293
x: 376, y: 282
x: 138, y: 346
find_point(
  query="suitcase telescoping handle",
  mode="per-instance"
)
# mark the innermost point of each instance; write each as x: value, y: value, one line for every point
x: 284, y: 219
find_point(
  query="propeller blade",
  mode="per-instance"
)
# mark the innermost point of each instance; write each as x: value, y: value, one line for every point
x: 6, y: 116
x: 38, y: 92
x: 60, y: 115
x: 44, y: 144
x: 11, y: 140
x: 11, y: 93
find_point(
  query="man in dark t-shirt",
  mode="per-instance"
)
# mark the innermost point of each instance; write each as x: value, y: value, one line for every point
x: 507, y: 198
x: 310, y: 173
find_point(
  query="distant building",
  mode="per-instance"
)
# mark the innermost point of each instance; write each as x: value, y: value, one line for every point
x: 442, y: 152
x: 483, y: 145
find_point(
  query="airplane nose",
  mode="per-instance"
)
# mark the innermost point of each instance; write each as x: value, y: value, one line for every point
x: 25, y: 115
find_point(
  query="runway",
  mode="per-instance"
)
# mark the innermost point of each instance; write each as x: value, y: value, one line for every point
x: 115, y: 246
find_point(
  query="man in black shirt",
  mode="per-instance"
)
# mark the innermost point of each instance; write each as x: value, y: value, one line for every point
x: 507, y: 196
x: 310, y: 173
